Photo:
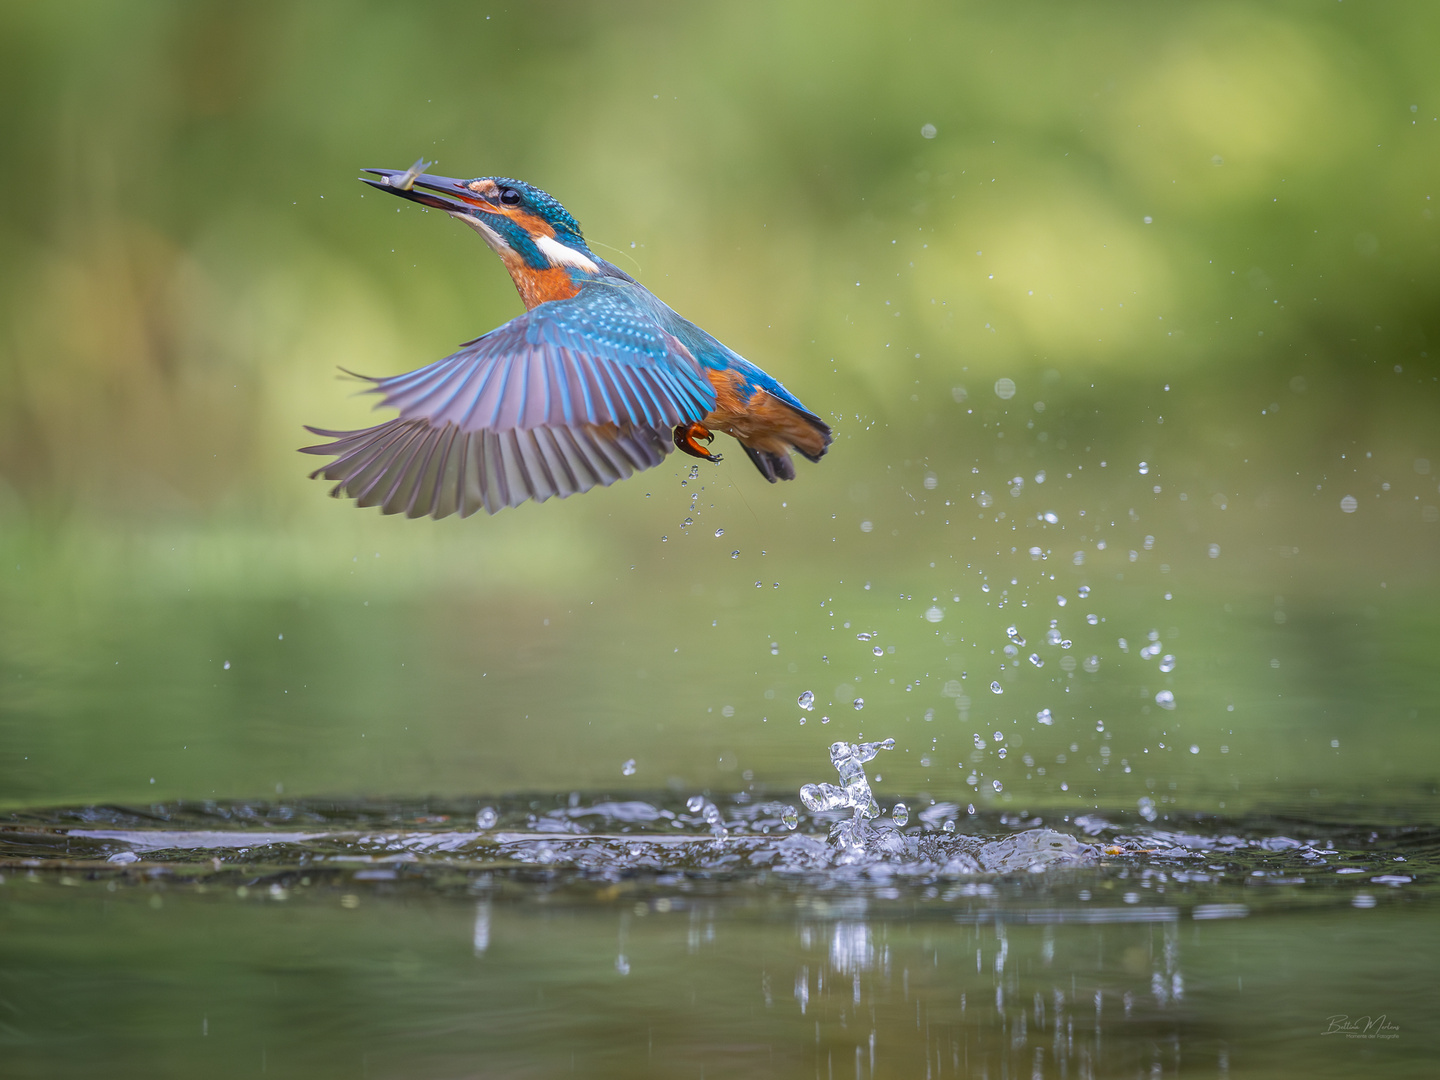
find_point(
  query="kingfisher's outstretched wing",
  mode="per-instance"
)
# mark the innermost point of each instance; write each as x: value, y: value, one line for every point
x: 573, y: 394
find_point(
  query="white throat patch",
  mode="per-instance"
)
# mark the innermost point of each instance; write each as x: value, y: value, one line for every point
x: 562, y: 255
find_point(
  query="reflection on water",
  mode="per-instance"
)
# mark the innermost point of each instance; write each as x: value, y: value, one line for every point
x: 667, y: 936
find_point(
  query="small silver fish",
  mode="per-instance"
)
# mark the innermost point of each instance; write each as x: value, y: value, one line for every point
x: 406, y: 181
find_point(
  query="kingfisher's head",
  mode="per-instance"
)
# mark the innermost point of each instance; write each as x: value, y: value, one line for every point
x: 525, y: 226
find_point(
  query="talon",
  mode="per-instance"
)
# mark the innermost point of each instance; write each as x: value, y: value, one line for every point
x: 686, y: 436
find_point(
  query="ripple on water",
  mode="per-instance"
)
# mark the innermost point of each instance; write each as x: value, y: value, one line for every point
x: 1211, y: 867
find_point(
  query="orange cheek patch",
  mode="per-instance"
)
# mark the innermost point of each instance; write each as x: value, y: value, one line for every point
x: 532, y: 224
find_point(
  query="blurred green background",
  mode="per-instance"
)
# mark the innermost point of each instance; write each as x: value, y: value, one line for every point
x: 1197, y: 240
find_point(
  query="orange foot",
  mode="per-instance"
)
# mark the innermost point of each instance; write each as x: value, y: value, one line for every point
x: 686, y: 436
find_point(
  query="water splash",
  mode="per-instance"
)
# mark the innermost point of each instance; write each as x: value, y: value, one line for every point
x: 853, y: 792
x: 742, y: 843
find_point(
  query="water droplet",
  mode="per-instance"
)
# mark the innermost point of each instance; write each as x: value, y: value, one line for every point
x: 806, y: 700
x: 1144, y: 468
x: 878, y: 651
x: 1167, y: 663
x: 719, y: 532
x: 628, y: 769
x: 859, y: 703
x: 1146, y: 806
x: 1044, y: 717
x: 864, y: 636
x: 695, y: 803
x: 979, y: 742
x: 687, y: 522
x: 927, y: 131
x: 1165, y: 699
x: 997, y: 785
x: 790, y: 817
x: 824, y: 719
x: 1003, y: 751
x: 774, y: 648
x: 934, y: 614
x: 694, y: 472
x: 1194, y: 749
x: 996, y: 688
x: 734, y: 554
x: 1083, y: 591
x: 1348, y: 504
x: 949, y: 826
x: 1005, y: 389
x: 1092, y: 663
x: 1093, y: 620
x: 486, y: 818
x: 1035, y: 659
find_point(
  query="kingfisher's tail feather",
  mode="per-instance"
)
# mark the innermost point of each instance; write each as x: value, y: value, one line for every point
x: 772, y: 465
x: 414, y: 468
x: 789, y: 429
x: 812, y: 443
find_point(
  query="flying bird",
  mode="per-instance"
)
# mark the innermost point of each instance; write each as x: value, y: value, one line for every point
x: 597, y: 380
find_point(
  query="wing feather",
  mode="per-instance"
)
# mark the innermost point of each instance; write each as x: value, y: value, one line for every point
x: 581, y: 360
x: 572, y: 395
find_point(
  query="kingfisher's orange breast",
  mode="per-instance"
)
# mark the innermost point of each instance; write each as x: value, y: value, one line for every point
x: 538, y: 286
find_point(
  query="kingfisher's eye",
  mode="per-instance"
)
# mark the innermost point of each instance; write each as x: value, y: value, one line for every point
x: 509, y: 196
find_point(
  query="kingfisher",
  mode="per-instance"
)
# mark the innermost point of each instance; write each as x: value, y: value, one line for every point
x: 596, y: 381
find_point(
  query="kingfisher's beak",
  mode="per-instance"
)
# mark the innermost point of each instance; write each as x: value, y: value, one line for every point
x: 452, y: 195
